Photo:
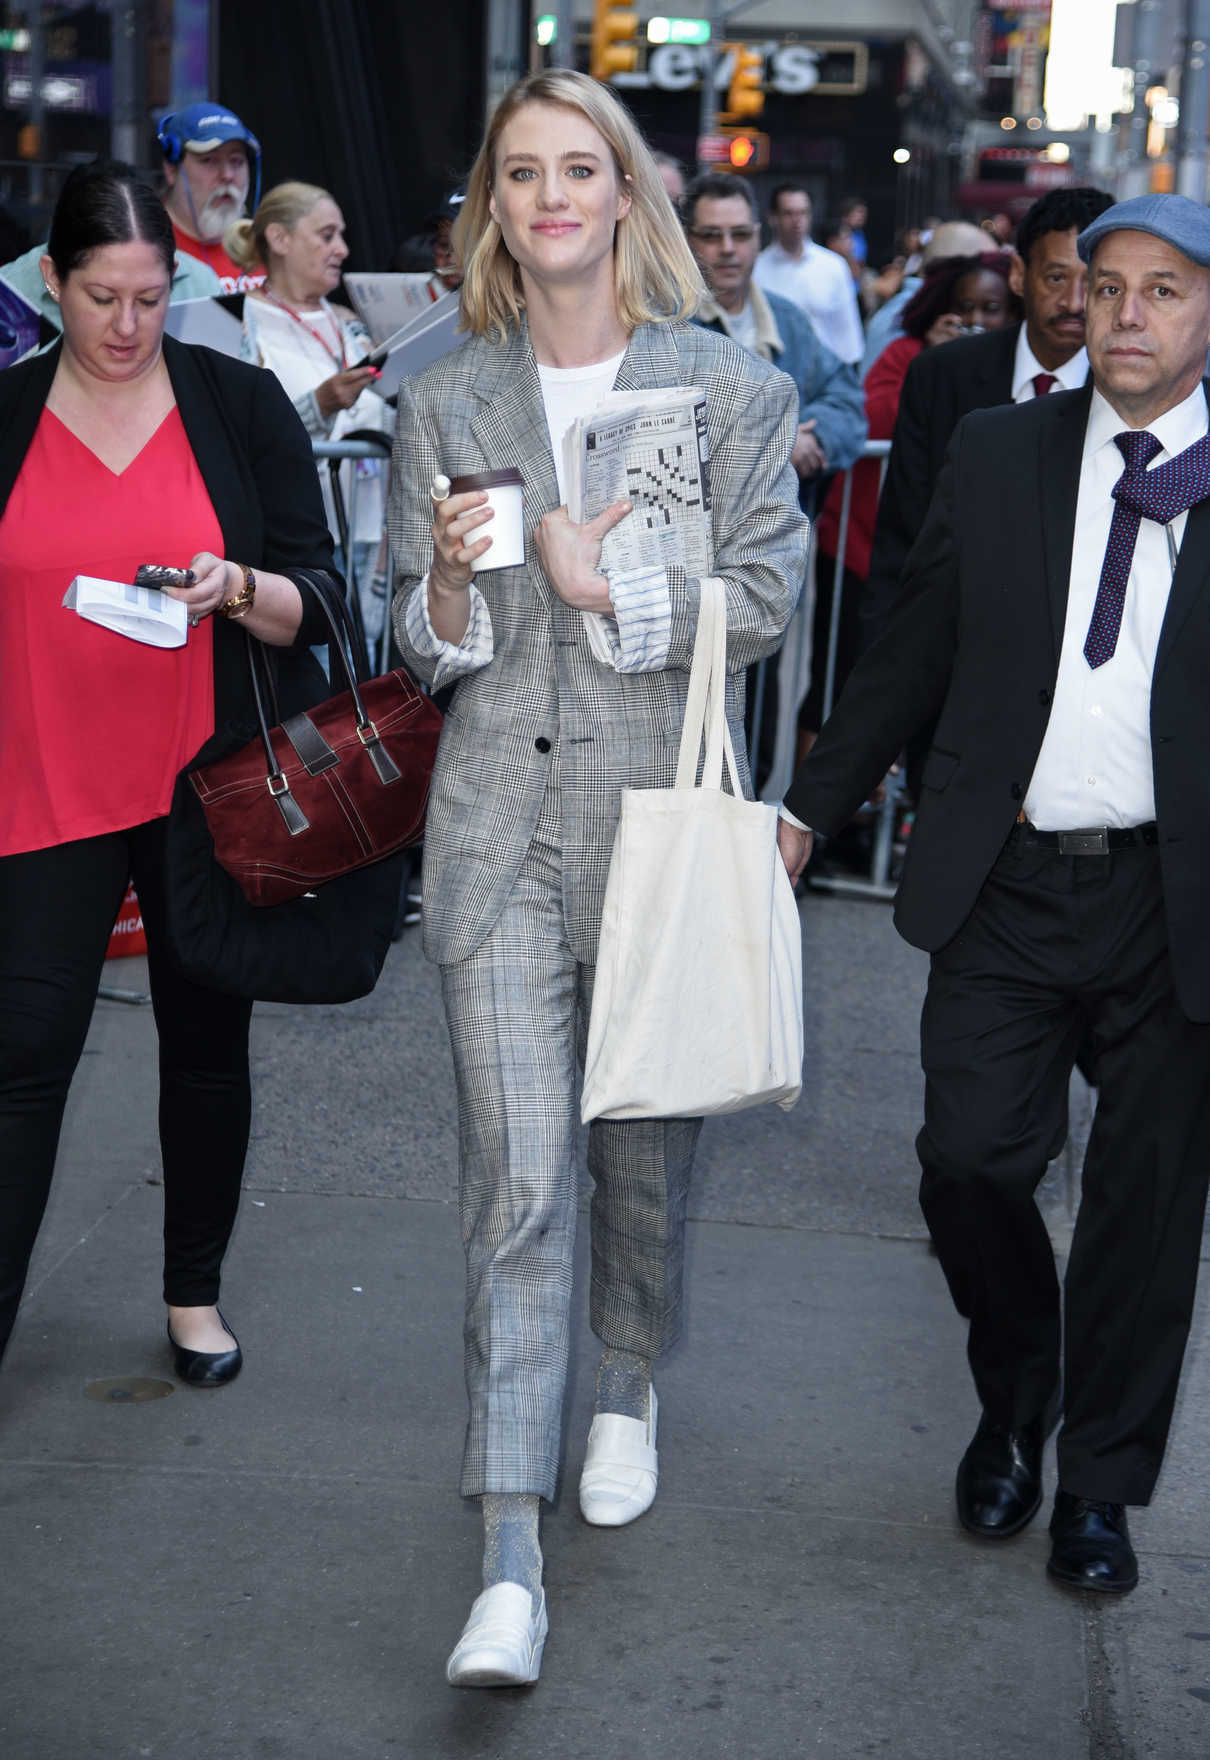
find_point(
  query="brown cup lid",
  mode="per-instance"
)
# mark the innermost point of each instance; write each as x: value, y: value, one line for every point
x: 507, y: 479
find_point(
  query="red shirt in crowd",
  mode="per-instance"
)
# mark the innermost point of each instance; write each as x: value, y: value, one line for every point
x: 94, y: 726
x: 211, y: 252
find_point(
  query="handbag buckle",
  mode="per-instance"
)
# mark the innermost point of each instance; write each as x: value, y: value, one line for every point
x: 284, y: 785
x: 369, y: 734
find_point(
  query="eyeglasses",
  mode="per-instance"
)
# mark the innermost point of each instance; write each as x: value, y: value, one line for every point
x: 716, y: 234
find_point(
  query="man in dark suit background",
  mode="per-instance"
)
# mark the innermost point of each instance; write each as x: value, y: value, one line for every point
x: 1055, y: 623
x: 1046, y: 350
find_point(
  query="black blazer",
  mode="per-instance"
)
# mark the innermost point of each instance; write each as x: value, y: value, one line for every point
x: 942, y: 385
x: 974, y: 643
x: 256, y: 461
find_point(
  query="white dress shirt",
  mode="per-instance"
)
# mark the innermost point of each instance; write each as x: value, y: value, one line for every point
x: 1094, y: 767
x: 821, y: 284
x: 1026, y: 366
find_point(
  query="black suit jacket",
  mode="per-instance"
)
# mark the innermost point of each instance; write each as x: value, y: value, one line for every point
x: 973, y: 643
x: 942, y: 385
x: 257, y: 464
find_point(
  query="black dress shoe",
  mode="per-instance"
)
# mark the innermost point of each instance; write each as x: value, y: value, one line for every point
x: 1000, y: 1479
x: 1092, y: 1547
x: 206, y: 1368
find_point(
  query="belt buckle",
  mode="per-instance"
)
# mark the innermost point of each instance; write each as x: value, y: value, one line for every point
x: 1084, y: 843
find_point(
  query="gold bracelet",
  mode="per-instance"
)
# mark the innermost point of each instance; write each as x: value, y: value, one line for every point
x: 241, y: 603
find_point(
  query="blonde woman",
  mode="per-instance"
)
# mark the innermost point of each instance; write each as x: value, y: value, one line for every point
x: 316, y: 348
x: 578, y: 279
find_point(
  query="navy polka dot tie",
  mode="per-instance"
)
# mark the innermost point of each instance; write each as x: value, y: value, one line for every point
x: 1170, y: 489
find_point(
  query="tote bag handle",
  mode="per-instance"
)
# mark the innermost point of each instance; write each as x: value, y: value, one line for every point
x: 705, y: 702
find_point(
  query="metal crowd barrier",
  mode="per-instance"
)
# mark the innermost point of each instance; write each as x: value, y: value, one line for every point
x: 794, y: 677
x: 336, y: 452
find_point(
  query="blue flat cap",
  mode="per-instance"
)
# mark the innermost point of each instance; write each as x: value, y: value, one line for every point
x: 1180, y: 222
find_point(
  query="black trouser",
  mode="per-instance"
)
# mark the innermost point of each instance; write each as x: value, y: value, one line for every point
x: 57, y: 907
x: 1056, y: 947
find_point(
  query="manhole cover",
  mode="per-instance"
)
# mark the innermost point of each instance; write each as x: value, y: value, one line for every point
x: 127, y: 1390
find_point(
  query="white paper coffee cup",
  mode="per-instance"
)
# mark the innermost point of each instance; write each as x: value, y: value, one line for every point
x: 505, y: 497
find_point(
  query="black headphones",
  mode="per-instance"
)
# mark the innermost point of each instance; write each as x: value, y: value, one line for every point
x: 173, y: 147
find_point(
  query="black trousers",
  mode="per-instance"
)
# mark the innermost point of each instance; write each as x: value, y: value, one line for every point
x: 1057, y: 948
x: 57, y: 907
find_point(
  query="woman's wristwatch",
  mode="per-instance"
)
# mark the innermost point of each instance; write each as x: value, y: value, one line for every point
x: 241, y: 603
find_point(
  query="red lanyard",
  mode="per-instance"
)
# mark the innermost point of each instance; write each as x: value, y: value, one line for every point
x: 340, y: 359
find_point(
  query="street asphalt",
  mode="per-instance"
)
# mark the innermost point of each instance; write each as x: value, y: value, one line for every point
x: 277, y: 1570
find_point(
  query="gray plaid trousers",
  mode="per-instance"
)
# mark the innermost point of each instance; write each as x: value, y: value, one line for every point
x: 517, y: 1011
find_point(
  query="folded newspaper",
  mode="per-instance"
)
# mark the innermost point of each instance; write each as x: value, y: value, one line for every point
x: 142, y: 613
x: 649, y: 448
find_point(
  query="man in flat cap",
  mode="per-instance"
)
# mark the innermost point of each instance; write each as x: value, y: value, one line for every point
x: 1055, y: 623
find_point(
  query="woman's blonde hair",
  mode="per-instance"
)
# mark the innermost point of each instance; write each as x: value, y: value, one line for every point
x: 284, y: 205
x: 655, y: 275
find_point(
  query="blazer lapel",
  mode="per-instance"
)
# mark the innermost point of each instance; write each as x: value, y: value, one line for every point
x: 511, y: 429
x: 1189, y: 576
x: 996, y: 372
x: 216, y: 446
x: 1060, y: 455
x: 650, y: 360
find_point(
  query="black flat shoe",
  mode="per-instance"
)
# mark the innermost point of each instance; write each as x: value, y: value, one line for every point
x: 1092, y: 1547
x: 206, y: 1368
x: 999, y: 1484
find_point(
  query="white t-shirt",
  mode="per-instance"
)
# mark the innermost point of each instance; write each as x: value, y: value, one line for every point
x: 569, y: 392
x: 821, y: 284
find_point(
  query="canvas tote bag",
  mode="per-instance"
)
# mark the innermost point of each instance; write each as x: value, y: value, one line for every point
x: 697, y: 1005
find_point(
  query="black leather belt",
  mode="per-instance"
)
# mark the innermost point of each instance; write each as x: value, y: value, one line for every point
x: 1096, y: 841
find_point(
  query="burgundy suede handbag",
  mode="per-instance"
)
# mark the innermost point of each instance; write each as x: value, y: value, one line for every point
x: 327, y: 791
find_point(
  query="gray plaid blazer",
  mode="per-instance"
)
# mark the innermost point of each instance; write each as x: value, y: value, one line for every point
x: 481, y: 408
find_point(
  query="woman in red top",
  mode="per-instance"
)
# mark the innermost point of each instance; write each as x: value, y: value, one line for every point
x: 959, y: 295
x: 118, y: 448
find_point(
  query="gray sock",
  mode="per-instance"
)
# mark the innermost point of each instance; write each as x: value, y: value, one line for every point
x: 624, y: 1384
x: 512, y: 1549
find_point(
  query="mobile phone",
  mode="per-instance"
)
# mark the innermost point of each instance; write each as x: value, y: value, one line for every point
x: 157, y: 575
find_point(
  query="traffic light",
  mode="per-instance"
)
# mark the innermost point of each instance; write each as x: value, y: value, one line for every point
x: 747, y: 149
x: 614, y: 49
x: 745, y: 94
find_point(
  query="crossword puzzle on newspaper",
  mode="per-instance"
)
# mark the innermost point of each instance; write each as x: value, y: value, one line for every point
x: 662, y: 486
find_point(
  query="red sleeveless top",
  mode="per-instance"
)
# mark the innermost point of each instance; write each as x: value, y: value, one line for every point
x: 94, y: 726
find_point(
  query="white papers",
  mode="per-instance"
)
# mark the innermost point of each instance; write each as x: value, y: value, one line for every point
x: 385, y: 303
x: 430, y: 334
x: 142, y: 613
x: 211, y: 322
x: 649, y: 448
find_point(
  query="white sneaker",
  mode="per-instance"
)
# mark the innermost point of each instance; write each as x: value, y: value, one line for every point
x: 502, y: 1641
x: 621, y: 1468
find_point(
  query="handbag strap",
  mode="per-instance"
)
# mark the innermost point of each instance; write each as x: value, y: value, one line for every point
x: 705, y: 702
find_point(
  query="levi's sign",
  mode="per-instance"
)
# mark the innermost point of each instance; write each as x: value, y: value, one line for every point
x: 789, y: 68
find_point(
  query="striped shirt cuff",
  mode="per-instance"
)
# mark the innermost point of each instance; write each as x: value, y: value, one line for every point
x: 640, y: 631
x: 454, y: 660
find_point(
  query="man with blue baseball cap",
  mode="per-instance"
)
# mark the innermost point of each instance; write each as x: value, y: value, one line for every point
x: 209, y: 158
x: 1055, y: 623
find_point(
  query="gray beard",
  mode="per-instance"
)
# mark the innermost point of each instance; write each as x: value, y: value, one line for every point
x: 216, y: 216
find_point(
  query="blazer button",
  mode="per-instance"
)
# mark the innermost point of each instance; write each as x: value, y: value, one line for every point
x: 542, y: 744
x: 1043, y: 698
x: 1016, y: 790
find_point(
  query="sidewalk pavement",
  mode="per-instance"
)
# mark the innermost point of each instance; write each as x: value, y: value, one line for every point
x: 280, y: 1568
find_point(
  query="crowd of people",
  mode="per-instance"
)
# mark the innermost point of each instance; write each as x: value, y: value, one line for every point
x: 1054, y: 721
